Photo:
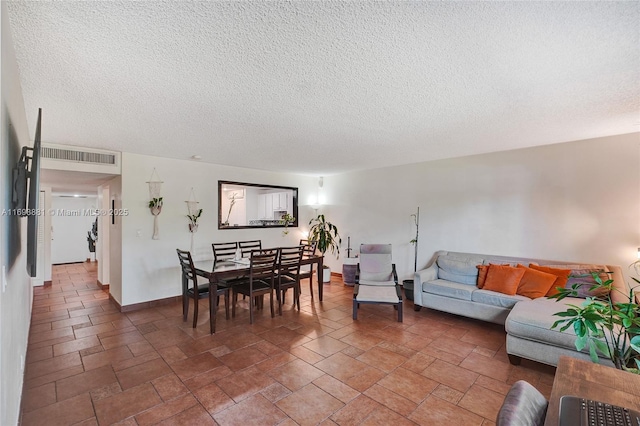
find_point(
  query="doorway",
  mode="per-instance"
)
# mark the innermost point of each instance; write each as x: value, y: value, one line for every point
x: 76, y: 226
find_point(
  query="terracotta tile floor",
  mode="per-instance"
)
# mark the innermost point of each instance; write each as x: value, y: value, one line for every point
x: 89, y: 364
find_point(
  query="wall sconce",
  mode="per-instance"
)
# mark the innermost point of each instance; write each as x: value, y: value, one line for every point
x: 317, y: 201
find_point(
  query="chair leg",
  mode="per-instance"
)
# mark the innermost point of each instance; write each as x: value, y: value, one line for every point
x: 280, y: 297
x: 296, y: 294
x: 195, y: 310
x: 400, y: 312
x: 271, y: 303
x: 311, y: 284
x: 251, y: 302
x: 214, y: 310
x: 233, y: 305
x: 185, y: 307
x: 355, y: 309
x: 226, y: 304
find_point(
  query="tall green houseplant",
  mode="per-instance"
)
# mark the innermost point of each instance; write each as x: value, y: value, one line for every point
x: 602, y: 326
x: 326, y: 236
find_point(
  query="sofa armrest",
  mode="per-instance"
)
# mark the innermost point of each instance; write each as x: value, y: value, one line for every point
x: 429, y: 274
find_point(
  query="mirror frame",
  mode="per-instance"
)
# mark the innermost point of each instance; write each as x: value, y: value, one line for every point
x: 258, y: 185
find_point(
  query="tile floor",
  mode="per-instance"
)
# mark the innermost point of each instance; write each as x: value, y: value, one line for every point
x: 89, y: 364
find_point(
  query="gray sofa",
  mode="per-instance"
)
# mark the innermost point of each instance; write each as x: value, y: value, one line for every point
x: 449, y: 285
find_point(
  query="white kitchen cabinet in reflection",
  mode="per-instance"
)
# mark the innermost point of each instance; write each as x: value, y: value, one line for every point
x: 274, y: 205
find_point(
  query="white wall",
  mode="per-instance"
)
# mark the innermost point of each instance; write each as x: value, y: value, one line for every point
x: 102, y: 247
x: 69, y: 232
x: 574, y: 201
x: 150, y: 267
x: 115, y: 241
x: 47, y: 234
x: 16, y: 296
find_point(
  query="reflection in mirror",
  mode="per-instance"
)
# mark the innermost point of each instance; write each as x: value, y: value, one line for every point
x: 250, y: 205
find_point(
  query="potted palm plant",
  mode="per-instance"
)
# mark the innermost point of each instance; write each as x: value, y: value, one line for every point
x: 326, y: 236
x: 604, y: 327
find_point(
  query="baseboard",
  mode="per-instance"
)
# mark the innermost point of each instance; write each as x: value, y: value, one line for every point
x: 336, y: 274
x: 145, y: 305
x: 115, y: 302
x: 102, y: 286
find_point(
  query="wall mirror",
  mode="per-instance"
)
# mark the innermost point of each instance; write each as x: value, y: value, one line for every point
x: 251, y: 205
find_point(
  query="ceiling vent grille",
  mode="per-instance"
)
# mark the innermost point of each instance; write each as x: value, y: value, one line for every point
x: 78, y: 156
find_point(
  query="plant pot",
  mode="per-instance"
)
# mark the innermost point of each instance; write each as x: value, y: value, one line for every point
x: 408, y: 289
x: 326, y: 274
x: 193, y: 228
x: 349, y: 273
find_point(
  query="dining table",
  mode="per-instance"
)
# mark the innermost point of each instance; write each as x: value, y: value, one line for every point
x: 217, y: 271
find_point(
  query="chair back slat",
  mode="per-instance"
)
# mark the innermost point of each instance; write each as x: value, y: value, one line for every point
x: 224, y: 251
x: 309, y: 247
x: 375, y: 262
x: 289, y: 261
x: 186, y: 264
x: 262, y: 265
x: 246, y: 247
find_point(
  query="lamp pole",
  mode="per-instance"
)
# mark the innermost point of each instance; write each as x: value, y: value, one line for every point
x: 415, y: 256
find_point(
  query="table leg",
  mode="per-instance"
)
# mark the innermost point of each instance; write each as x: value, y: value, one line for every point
x: 212, y: 301
x: 320, y: 278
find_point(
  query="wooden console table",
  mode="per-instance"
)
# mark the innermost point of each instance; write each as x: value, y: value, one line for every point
x: 592, y: 381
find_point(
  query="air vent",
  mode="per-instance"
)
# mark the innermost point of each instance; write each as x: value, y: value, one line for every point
x: 78, y: 156
x: 80, y: 159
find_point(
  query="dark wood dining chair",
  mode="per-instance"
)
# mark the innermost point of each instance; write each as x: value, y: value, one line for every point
x: 224, y: 251
x: 308, y: 249
x: 247, y: 246
x: 262, y: 266
x: 199, y: 291
x: 288, y: 275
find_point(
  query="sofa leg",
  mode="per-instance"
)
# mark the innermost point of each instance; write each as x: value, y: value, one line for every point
x: 514, y: 359
x: 417, y: 307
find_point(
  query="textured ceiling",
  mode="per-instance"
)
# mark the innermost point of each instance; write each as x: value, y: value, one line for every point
x: 326, y: 87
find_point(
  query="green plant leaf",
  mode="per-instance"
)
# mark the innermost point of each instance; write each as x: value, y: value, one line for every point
x: 567, y: 313
x: 581, y: 342
x: 592, y: 354
x: 602, y: 347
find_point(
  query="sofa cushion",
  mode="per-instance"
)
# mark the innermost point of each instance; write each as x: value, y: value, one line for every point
x: 449, y: 289
x: 457, y: 270
x: 482, y: 275
x: 585, y: 280
x: 561, y: 273
x: 503, y: 279
x: 494, y: 298
x: 532, y: 320
x: 535, y: 283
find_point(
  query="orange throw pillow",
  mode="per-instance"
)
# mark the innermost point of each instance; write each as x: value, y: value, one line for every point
x: 503, y: 279
x: 482, y: 274
x: 535, y: 283
x: 561, y: 281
